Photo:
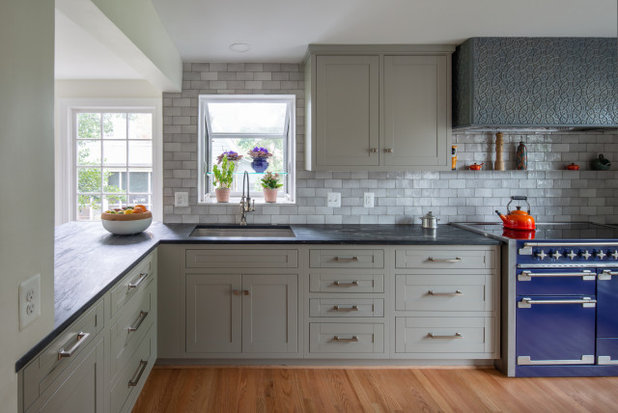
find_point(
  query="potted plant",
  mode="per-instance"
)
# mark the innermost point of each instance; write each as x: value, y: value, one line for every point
x: 223, y: 178
x: 260, y: 158
x: 270, y: 184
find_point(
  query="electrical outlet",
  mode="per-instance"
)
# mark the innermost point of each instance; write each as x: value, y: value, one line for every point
x: 29, y: 300
x: 334, y: 199
x: 369, y: 200
x: 181, y: 199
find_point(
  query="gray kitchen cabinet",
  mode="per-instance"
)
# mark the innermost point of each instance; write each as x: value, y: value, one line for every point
x: 378, y: 108
x: 248, y: 313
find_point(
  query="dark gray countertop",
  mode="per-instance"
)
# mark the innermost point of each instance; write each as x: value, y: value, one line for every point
x: 89, y: 260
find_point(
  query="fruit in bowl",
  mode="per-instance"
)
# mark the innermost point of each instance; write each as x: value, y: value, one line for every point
x: 127, y: 220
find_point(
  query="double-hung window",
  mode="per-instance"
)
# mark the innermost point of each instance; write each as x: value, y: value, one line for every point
x: 240, y: 123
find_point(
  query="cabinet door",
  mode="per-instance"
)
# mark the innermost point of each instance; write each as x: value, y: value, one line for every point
x: 415, y: 111
x: 347, y: 102
x: 79, y: 388
x: 213, y: 313
x: 270, y: 313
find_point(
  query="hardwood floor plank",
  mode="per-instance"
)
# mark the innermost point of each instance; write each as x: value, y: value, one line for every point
x: 299, y: 389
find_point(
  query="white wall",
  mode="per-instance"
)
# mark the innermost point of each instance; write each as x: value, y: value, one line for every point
x: 101, y: 93
x: 26, y: 176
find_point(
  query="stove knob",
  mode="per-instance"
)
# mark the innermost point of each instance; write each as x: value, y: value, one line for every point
x: 557, y: 254
x: 586, y: 254
x: 601, y: 254
x: 571, y: 255
x: 615, y: 254
x: 541, y: 255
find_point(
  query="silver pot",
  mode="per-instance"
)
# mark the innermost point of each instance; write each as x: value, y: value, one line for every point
x: 429, y: 221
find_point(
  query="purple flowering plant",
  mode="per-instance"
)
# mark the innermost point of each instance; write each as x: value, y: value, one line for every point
x: 259, y: 152
x: 231, y: 156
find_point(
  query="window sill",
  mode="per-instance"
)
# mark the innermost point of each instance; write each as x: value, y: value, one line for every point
x: 236, y: 200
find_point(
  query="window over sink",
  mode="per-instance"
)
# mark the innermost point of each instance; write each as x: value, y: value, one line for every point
x: 239, y: 124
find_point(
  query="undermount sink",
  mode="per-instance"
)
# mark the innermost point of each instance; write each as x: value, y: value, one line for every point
x: 244, y: 232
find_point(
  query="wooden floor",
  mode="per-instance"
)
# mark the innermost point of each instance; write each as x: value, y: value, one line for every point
x: 299, y: 389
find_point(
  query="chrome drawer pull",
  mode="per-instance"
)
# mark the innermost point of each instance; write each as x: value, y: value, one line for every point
x: 140, y: 370
x: 346, y: 259
x: 586, y: 302
x: 345, y: 309
x: 81, y: 338
x: 435, y: 294
x: 527, y: 275
x: 139, y: 321
x: 353, y: 339
x: 142, y: 277
x: 448, y: 260
x: 527, y: 360
x: 341, y: 284
x: 607, y: 275
x: 438, y: 336
x: 607, y: 360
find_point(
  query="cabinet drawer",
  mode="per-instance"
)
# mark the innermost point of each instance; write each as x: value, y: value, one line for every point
x: 346, y: 258
x: 445, y: 257
x: 443, y: 292
x: 346, y: 338
x: 346, y: 283
x: 45, y: 368
x: 241, y: 258
x: 133, y: 322
x: 346, y: 307
x: 136, y: 280
x: 443, y: 335
x: 133, y: 375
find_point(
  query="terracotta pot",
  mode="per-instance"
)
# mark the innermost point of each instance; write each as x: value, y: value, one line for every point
x: 223, y: 194
x: 270, y: 195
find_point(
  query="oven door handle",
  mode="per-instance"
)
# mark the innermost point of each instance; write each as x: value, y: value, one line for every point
x: 527, y: 275
x: 585, y: 302
x: 607, y: 275
x: 527, y: 361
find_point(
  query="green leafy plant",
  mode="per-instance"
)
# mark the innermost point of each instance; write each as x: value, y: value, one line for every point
x: 271, y: 181
x: 224, y: 176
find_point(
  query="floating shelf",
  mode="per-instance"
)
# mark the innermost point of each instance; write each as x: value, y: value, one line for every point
x: 252, y: 173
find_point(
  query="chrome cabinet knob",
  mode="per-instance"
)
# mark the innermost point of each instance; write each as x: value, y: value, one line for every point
x: 373, y: 150
x: 541, y: 255
x: 615, y: 254
x: 586, y: 254
x: 571, y: 254
x: 557, y: 254
x: 388, y: 150
x: 601, y: 254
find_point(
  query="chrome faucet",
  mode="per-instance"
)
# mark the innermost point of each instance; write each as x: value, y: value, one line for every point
x: 245, y: 200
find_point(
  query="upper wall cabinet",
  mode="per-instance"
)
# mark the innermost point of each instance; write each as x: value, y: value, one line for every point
x: 378, y: 108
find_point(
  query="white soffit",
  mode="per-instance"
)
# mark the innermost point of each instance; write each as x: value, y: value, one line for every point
x: 280, y: 30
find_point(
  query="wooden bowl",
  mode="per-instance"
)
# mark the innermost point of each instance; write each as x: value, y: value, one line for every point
x: 121, y: 224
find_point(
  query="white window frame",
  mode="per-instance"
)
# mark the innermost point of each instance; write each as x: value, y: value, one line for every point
x: 204, y: 144
x: 66, y: 171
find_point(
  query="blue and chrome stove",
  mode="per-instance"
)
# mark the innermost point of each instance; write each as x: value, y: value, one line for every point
x: 560, y: 299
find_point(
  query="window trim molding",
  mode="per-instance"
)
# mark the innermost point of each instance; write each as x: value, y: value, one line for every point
x: 65, y: 170
x: 202, y: 146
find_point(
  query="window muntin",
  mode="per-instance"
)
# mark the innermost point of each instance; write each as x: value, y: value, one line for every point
x: 113, y: 161
x: 239, y: 123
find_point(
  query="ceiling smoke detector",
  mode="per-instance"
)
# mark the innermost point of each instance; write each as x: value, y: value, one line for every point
x: 240, y: 47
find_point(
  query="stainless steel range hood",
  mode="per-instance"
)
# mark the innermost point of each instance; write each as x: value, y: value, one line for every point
x: 535, y: 84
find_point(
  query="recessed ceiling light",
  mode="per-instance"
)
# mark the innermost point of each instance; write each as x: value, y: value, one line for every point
x: 240, y: 47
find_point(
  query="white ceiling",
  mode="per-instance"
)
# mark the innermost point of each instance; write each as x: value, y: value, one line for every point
x: 280, y: 30
x: 78, y: 55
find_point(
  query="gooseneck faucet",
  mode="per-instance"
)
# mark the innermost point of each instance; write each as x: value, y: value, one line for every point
x: 245, y: 200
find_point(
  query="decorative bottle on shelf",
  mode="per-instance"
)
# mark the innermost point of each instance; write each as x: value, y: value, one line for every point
x: 521, y: 157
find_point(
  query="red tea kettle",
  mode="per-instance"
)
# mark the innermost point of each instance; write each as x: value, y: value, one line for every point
x: 518, y: 219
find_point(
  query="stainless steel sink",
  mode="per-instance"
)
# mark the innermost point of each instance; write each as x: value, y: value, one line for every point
x: 244, y: 232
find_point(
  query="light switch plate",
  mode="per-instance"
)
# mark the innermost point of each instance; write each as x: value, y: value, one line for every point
x: 181, y: 199
x: 369, y: 200
x: 334, y: 199
x: 29, y: 300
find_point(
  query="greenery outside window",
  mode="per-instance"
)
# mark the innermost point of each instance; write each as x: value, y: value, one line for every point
x: 240, y: 123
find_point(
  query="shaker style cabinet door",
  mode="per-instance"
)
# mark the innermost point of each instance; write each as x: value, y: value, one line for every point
x: 347, y: 118
x: 415, y: 111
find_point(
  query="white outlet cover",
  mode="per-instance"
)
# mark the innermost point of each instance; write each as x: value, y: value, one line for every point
x: 29, y: 300
x: 334, y: 199
x: 369, y: 200
x: 181, y: 199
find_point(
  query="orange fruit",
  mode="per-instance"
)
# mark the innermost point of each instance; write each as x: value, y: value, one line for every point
x: 142, y: 207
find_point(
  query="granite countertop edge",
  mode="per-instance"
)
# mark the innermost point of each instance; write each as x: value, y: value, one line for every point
x: 87, y: 244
